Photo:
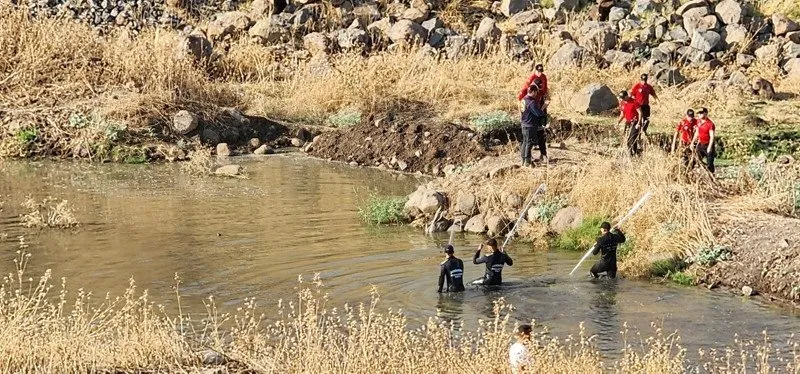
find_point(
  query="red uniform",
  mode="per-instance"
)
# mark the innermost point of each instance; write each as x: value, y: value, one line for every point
x: 629, y: 110
x: 704, y: 128
x: 641, y: 93
x: 542, y: 89
x: 686, y: 129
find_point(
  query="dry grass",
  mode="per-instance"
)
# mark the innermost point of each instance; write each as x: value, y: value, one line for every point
x: 48, y: 213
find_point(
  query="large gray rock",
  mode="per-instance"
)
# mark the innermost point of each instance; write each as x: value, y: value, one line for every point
x: 641, y: 7
x: 367, y: 13
x: 467, y: 204
x: 598, y: 37
x: 527, y: 17
x: 735, y: 35
x: 744, y: 60
x: 317, y: 43
x: 693, y: 17
x: 308, y: 14
x: 565, y: 219
x: 768, y: 52
x: 228, y: 23
x: 195, y: 47
x: 617, y: 14
x: 184, y: 122
x: 487, y: 30
x: 259, y: 8
x: 620, y: 58
x: 405, y: 31
x: 709, y: 22
x: 437, y: 37
x: 512, y: 7
x: 689, y: 5
x: 567, y: 5
x: 678, y: 34
x: 569, y: 54
x: 416, y: 15
x: 457, y: 46
x: 790, y: 50
x: 793, y: 36
x: 229, y: 170
x: 782, y: 25
x: 381, y: 27
x: 730, y: 12
x: 792, y: 67
x: 352, y: 39
x: 423, y: 201
x: 269, y: 31
x: 670, y: 76
x: 475, y: 225
x: 706, y: 41
x: 497, y: 226
x: 432, y: 24
x: 223, y: 150
x: 594, y: 99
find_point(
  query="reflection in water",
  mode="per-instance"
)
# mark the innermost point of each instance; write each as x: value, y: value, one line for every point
x: 603, y: 309
x: 450, y: 307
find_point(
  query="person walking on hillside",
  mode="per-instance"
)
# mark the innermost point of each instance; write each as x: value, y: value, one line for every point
x: 631, y: 113
x: 704, y: 138
x: 538, y: 75
x: 452, y: 270
x: 641, y: 92
x: 494, y: 264
x: 606, y: 245
x: 533, y: 128
x: 518, y: 355
x: 685, y: 131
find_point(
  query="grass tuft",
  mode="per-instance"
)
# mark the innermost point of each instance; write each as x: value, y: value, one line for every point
x: 378, y: 210
x: 709, y: 256
x: 492, y: 121
x: 345, y: 117
x: 682, y: 279
x: 581, y: 237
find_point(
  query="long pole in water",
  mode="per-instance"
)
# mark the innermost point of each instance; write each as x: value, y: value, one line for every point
x: 625, y: 218
x: 525, y: 208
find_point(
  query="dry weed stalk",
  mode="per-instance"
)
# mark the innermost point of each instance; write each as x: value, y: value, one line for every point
x: 48, y: 213
x: 200, y: 162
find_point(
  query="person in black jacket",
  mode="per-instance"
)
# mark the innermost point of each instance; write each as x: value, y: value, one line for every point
x: 606, y: 245
x: 533, y: 120
x: 494, y: 264
x: 452, y: 271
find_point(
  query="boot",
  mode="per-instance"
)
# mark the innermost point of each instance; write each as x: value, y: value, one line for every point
x: 526, y: 162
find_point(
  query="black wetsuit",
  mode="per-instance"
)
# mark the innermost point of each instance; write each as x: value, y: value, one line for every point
x: 494, y: 267
x: 453, y: 272
x: 606, y: 245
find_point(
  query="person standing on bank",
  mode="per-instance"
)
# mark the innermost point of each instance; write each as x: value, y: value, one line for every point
x: 452, y: 271
x: 685, y: 131
x: 538, y: 74
x: 494, y: 263
x: 532, y: 121
x: 704, y: 138
x: 518, y: 355
x: 606, y: 245
x: 631, y: 113
x: 641, y: 92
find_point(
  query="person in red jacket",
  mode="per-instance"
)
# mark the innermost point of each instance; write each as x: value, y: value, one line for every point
x: 641, y: 92
x: 704, y: 136
x: 538, y: 74
x: 631, y: 113
x: 685, y: 131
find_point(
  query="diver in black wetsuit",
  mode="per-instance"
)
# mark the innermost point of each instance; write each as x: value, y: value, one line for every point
x: 452, y: 271
x: 606, y: 245
x: 494, y: 264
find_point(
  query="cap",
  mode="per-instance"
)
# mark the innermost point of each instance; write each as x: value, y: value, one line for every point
x: 539, y: 67
x: 703, y: 111
x: 690, y: 113
x: 449, y: 249
x: 643, y: 77
x: 623, y: 94
x: 605, y: 226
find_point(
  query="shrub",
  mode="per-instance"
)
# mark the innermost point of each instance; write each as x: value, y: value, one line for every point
x: 487, y: 122
x: 546, y: 210
x: 345, y: 118
x: 382, y: 210
x: 711, y: 255
x: 625, y: 249
x: 581, y: 237
x: 26, y: 136
x: 682, y: 278
x: 48, y: 213
x: 663, y: 268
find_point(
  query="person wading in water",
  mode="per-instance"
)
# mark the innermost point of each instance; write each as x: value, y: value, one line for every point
x: 606, y: 245
x: 452, y: 271
x: 494, y: 264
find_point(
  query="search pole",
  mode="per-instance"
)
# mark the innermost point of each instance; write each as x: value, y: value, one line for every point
x: 525, y: 208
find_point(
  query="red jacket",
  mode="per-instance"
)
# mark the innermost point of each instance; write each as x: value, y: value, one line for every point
x: 629, y: 110
x: 686, y: 129
x: 542, y: 91
x: 641, y: 93
x: 704, y: 128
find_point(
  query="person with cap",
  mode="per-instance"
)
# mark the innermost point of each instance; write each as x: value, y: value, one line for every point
x: 538, y: 74
x: 518, y: 356
x: 704, y: 138
x: 641, y: 92
x: 533, y: 128
x: 685, y: 131
x: 631, y: 113
x: 494, y: 263
x: 452, y: 270
x: 606, y: 246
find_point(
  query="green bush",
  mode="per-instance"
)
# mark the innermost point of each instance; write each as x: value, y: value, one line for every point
x: 625, y: 249
x: 709, y: 256
x: 488, y: 122
x: 345, y: 118
x: 546, y: 210
x: 663, y: 268
x: 682, y: 278
x: 581, y: 237
x: 27, y: 136
x: 378, y: 210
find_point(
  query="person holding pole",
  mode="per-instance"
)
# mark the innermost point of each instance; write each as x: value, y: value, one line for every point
x: 452, y: 271
x: 606, y: 245
x: 494, y: 264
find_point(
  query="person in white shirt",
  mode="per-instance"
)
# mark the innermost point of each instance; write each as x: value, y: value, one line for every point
x: 518, y: 355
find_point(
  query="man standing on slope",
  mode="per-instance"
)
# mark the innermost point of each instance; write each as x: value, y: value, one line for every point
x: 538, y: 74
x: 606, y: 245
x: 641, y: 92
x: 631, y: 113
x: 704, y: 136
x: 452, y: 271
x: 518, y: 355
x: 494, y: 264
x: 532, y: 120
x: 685, y: 131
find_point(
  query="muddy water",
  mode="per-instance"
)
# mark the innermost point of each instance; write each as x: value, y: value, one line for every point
x: 236, y: 239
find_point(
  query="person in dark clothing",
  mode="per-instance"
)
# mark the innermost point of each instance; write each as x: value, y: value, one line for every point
x: 631, y: 113
x: 452, y: 271
x: 606, y: 245
x: 278, y: 6
x: 494, y: 263
x: 604, y: 9
x: 533, y: 119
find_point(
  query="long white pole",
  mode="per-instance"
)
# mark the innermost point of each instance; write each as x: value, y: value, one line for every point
x: 625, y: 218
x: 535, y: 193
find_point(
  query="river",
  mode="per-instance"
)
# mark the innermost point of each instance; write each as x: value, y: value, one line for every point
x: 242, y: 238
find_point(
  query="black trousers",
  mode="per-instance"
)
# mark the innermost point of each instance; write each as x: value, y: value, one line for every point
x: 702, y: 152
x: 645, y: 117
x: 529, y: 136
x: 607, y: 266
x: 634, y: 139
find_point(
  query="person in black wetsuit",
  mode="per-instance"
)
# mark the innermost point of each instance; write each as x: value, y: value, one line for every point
x: 452, y: 271
x: 606, y: 245
x: 494, y: 264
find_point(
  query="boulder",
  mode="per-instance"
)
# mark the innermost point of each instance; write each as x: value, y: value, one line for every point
x: 269, y: 31
x: 594, y: 99
x: 691, y: 4
x: 437, y: 37
x: 709, y: 22
x: 781, y: 25
x: 597, y: 36
x: 565, y: 219
x: 619, y: 58
x: 184, y: 122
x: 467, y: 204
x: 497, y: 226
x: 734, y: 35
x: 211, y: 357
x: 259, y: 8
x: 196, y: 47
x: 617, y: 14
x: 308, y: 14
x: 415, y: 15
x: 556, y: 16
x: 209, y: 136
x: 569, y: 54
x: 229, y: 170
x: 744, y: 60
x: 790, y: 50
x: 457, y: 46
x: 670, y: 76
x: 792, y: 67
x: 769, y: 52
x: 475, y: 225
x: 352, y: 39
x: 405, y: 31
x: 381, y: 27
x: 367, y: 13
x: 678, y: 34
x: 730, y: 12
x: 512, y: 7
x: 526, y: 18
x: 641, y: 7
x: 263, y: 150
x: 228, y: 23
x: 692, y: 18
x: 738, y: 81
x: 706, y: 41
x: 424, y: 201
x: 763, y: 88
x: 513, y: 201
x: 432, y: 24
x: 317, y: 43
x: 793, y: 37
x: 223, y: 150
x: 747, y: 291
x: 487, y: 30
